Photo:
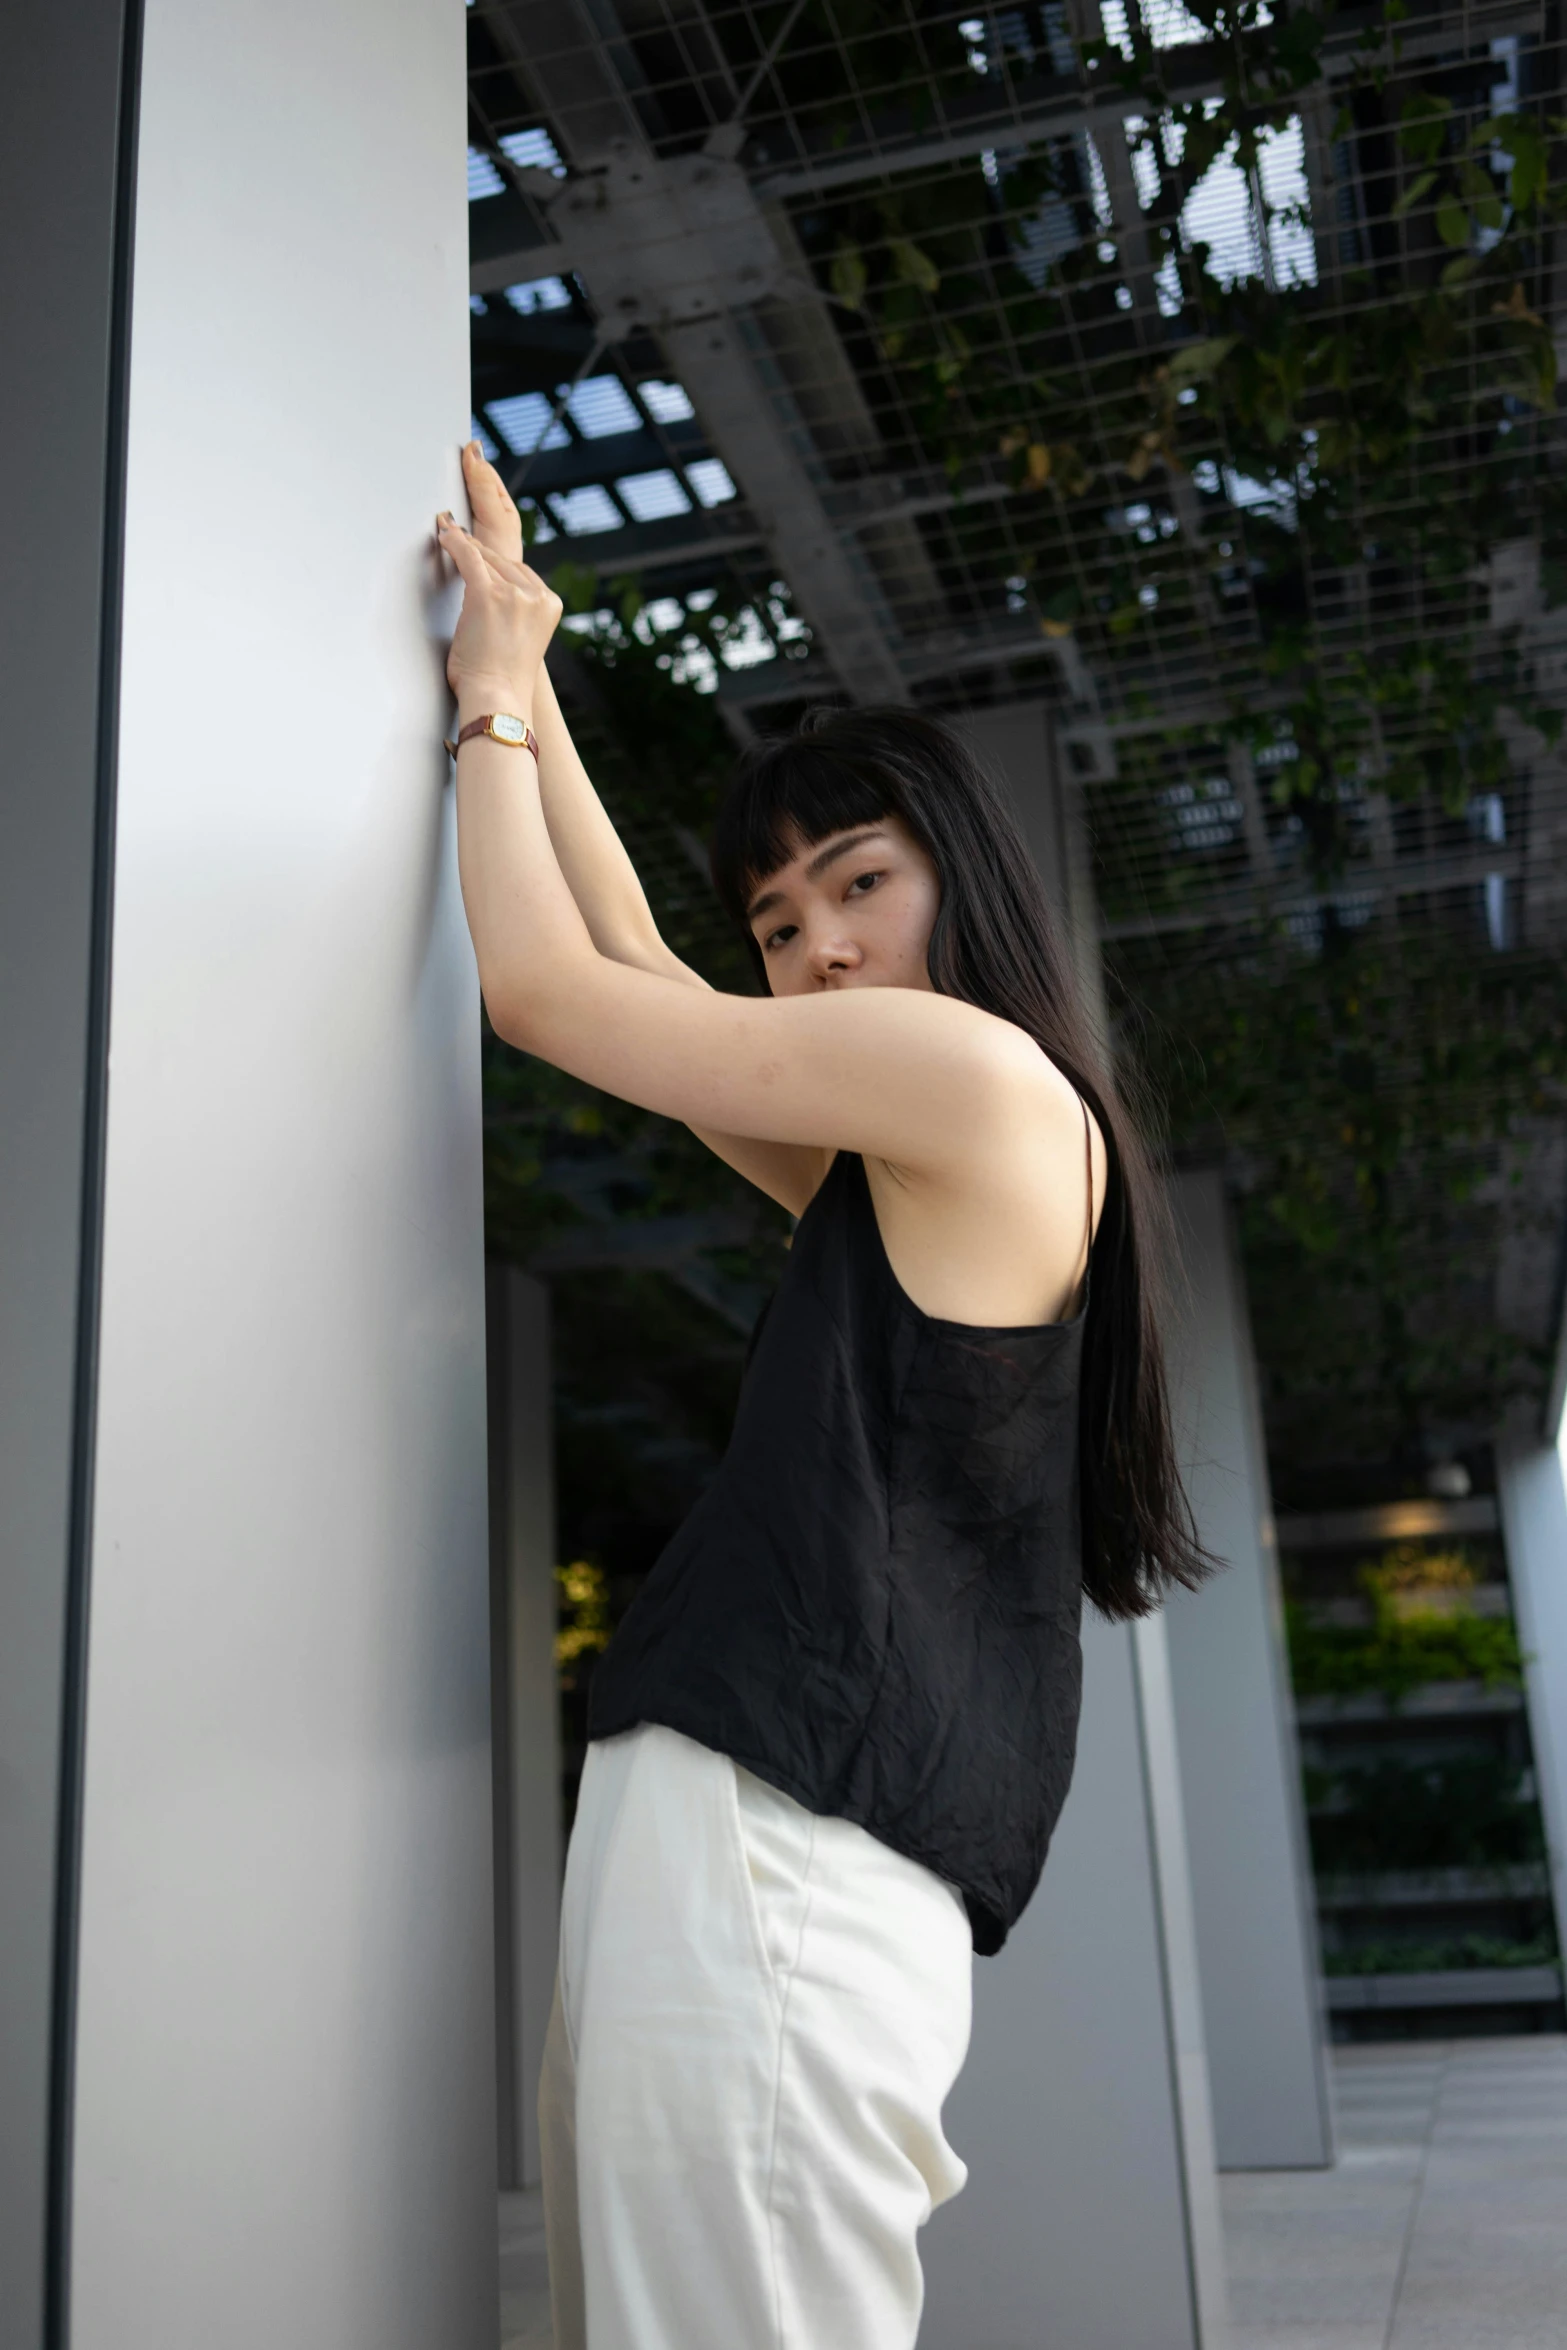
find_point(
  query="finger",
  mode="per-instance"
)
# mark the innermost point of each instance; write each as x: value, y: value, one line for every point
x: 448, y: 524
x: 487, y: 493
x: 492, y: 503
x: 500, y: 564
x: 472, y: 565
x: 477, y: 467
x: 509, y: 571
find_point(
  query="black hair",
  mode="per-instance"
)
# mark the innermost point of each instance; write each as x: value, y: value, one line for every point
x: 996, y: 944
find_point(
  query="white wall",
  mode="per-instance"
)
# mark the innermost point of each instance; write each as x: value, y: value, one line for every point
x: 1240, y: 1770
x: 285, y: 2124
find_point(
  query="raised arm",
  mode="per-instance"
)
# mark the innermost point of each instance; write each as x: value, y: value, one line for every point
x: 917, y: 1079
x: 593, y: 860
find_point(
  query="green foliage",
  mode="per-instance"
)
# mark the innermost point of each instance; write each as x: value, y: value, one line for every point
x: 1397, y: 427
x: 1467, y: 1812
x: 584, y: 1619
x: 1458, y: 1951
x: 1423, y: 1628
x: 1364, y: 1091
x: 1409, y: 1575
x: 1392, y: 427
x: 1400, y: 1654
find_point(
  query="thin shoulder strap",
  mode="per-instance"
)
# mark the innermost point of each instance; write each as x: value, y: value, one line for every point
x: 1088, y: 1160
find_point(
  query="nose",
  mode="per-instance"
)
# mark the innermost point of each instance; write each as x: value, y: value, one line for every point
x: 829, y: 955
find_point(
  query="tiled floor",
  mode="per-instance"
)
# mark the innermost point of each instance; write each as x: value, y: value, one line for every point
x: 1443, y: 2225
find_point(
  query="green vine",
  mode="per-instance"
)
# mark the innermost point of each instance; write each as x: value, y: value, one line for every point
x: 1390, y: 427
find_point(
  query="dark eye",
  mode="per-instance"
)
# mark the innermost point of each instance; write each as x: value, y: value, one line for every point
x: 778, y: 937
x: 863, y: 882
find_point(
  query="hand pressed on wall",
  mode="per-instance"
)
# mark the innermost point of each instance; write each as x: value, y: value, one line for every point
x: 508, y: 616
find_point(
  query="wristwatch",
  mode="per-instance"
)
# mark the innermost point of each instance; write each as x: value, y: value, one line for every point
x: 515, y: 733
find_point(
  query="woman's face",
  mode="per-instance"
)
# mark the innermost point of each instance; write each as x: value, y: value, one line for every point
x: 853, y: 910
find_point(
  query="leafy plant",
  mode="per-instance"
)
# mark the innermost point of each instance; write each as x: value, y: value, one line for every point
x: 1407, y: 1572
x: 584, y: 1617
x: 1401, y: 1654
x: 1364, y: 1094
x: 1387, y: 428
x: 1459, y: 1951
x: 1469, y: 1811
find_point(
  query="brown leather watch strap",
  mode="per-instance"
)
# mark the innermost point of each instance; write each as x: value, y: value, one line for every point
x: 526, y: 741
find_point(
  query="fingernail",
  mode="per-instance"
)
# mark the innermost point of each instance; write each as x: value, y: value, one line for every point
x: 474, y: 449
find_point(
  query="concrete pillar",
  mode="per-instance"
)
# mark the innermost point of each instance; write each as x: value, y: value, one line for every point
x: 1091, y: 2217
x: 1240, y: 1771
x: 1091, y: 2214
x: 62, y: 332
x: 524, y: 1708
x: 252, y: 1541
x: 1533, y: 1498
x: 1018, y: 745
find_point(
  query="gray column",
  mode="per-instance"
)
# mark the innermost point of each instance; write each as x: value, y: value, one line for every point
x: 524, y: 1707
x: 1240, y: 1772
x: 1091, y: 2218
x: 1019, y: 746
x: 1533, y: 1499
x: 282, y: 2126
x: 61, y: 413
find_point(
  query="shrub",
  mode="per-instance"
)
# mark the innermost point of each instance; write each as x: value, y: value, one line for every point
x: 1467, y: 1812
x: 1400, y: 1652
x: 1419, y: 1958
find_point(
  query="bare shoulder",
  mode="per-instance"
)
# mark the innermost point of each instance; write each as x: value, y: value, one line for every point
x: 1022, y: 1093
x: 989, y: 1109
x: 993, y: 1227
x: 941, y: 1041
x: 1057, y: 1146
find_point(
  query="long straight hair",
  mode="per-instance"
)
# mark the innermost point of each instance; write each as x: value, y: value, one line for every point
x: 996, y: 944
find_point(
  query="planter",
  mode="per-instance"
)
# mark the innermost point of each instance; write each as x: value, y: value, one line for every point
x: 1422, y: 1703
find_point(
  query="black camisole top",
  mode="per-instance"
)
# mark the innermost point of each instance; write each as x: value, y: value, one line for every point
x: 875, y: 1606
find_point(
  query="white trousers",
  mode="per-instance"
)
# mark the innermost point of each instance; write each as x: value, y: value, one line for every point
x: 758, y: 2017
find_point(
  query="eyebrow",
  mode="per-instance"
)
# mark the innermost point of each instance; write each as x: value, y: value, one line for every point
x: 817, y: 867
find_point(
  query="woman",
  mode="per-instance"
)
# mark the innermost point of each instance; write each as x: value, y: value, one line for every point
x: 831, y: 1739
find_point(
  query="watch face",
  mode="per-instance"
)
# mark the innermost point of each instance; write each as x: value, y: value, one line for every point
x: 508, y: 730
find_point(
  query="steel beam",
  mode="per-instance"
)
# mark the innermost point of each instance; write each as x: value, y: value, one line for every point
x: 719, y: 367
x: 679, y: 285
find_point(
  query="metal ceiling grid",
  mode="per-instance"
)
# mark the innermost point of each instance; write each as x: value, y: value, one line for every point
x: 930, y: 278
x: 949, y: 563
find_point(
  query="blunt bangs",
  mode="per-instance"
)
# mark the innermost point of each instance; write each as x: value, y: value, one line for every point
x: 788, y: 795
